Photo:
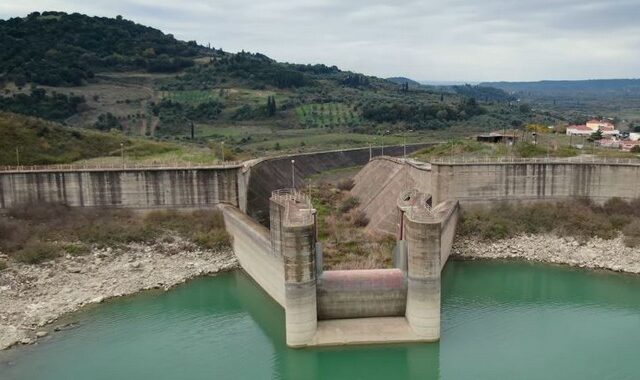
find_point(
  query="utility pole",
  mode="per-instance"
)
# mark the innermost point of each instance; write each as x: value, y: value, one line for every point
x: 293, y: 174
x: 122, y: 153
x: 369, y: 151
x: 222, y: 150
x: 17, y: 157
x: 405, y: 143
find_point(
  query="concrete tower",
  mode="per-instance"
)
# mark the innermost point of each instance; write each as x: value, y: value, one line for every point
x: 297, y: 243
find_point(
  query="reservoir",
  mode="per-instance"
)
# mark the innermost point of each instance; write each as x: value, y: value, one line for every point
x: 500, y: 320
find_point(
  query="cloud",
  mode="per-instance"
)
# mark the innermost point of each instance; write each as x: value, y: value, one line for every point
x: 454, y: 40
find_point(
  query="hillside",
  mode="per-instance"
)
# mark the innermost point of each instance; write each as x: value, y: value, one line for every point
x: 57, y: 49
x: 31, y: 141
x: 112, y: 74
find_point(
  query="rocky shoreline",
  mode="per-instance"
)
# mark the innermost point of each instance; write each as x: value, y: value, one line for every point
x: 593, y: 254
x: 34, y: 296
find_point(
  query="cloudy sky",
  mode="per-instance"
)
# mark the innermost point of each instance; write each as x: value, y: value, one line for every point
x: 452, y: 40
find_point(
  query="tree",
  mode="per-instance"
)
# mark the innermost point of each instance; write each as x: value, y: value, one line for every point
x: 271, y: 105
x: 595, y: 136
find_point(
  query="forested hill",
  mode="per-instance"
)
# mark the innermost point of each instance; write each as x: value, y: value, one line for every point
x: 110, y: 74
x: 56, y: 49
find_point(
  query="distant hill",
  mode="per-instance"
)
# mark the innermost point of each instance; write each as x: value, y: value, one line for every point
x: 403, y: 80
x: 482, y: 92
x: 595, y: 87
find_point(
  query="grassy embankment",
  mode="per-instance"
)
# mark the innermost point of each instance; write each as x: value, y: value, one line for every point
x: 41, y: 143
x: 580, y: 219
x: 341, y: 229
x: 39, y: 232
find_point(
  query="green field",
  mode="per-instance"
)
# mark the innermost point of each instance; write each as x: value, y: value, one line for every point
x: 327, y: 115
x: 192, y: 97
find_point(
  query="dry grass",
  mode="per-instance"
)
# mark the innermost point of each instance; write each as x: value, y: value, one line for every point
x: 581, y: 219
x: 346, y: 244
x: 39, y: 232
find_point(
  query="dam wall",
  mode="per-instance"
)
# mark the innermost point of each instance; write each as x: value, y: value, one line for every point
x: 135, y: 188
x: 267, y: 175
x: 534, y: 179
x: 361, y: 293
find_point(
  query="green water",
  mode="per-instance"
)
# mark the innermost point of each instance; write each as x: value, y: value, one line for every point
x: 499, y: 321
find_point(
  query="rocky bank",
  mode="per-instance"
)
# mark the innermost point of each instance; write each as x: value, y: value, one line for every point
x: 33, y: 296
x: 595, y: 253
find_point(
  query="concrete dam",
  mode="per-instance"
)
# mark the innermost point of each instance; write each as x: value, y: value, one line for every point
x: 274, y: 225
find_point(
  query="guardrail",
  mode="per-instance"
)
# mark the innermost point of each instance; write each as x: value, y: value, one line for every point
x: 126, y: 166
x: 295, y: 215
x: 535, y: 160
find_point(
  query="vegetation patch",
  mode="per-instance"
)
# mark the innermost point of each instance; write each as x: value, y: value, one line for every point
x: 341, y: 230
x: 32, y: 141
x: 581, y: 219
x: 38, y: 232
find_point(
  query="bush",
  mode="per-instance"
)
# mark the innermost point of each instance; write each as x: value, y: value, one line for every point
x: 349, y: 204
x: 3, y: 265
x: 36, y: 252
x: 632, y: 234
x: 13, y: 235
x: 346, y: 184
x: 76, y: 249
x: 214, y: 239
x: 359, y: 219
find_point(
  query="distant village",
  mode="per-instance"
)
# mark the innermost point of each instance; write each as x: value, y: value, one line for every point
x: 601, y: 132
x: 610, y: 136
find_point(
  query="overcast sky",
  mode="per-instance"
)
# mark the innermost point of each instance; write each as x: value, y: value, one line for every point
x: 461, y: 40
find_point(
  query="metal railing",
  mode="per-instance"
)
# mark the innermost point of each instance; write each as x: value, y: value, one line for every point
x: 114, y: 166
x: 536, y: 160
x: 297, y: 206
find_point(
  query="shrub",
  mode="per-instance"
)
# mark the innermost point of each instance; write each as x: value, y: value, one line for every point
x: 35, y: 252
x: 632, y: 234
x: 346, y: 184
x: 349, y: 204
x: 39, y: 212
x: 214, y: 239
x: 3, y: 265
x: 76, y: 249
x: 13, y: 235
x: 359, y: 219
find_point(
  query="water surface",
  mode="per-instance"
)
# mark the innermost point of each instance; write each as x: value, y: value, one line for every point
x: 499, y: 321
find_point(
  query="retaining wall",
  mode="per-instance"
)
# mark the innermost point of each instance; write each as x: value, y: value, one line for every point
x: 139, y: 188
x: 252, y: 246
x: 271, y: 174
x: 489, y: 182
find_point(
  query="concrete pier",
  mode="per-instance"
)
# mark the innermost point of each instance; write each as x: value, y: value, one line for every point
x: 297, y: 241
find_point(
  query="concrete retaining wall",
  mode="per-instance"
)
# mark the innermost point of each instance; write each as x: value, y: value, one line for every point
x: 144, y: 188
x: 252, y: 246
x: 271, y: 174
x: 379, y: 184
x: 448, y: 230
x: 489, y: 182
x: 361, y: 293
